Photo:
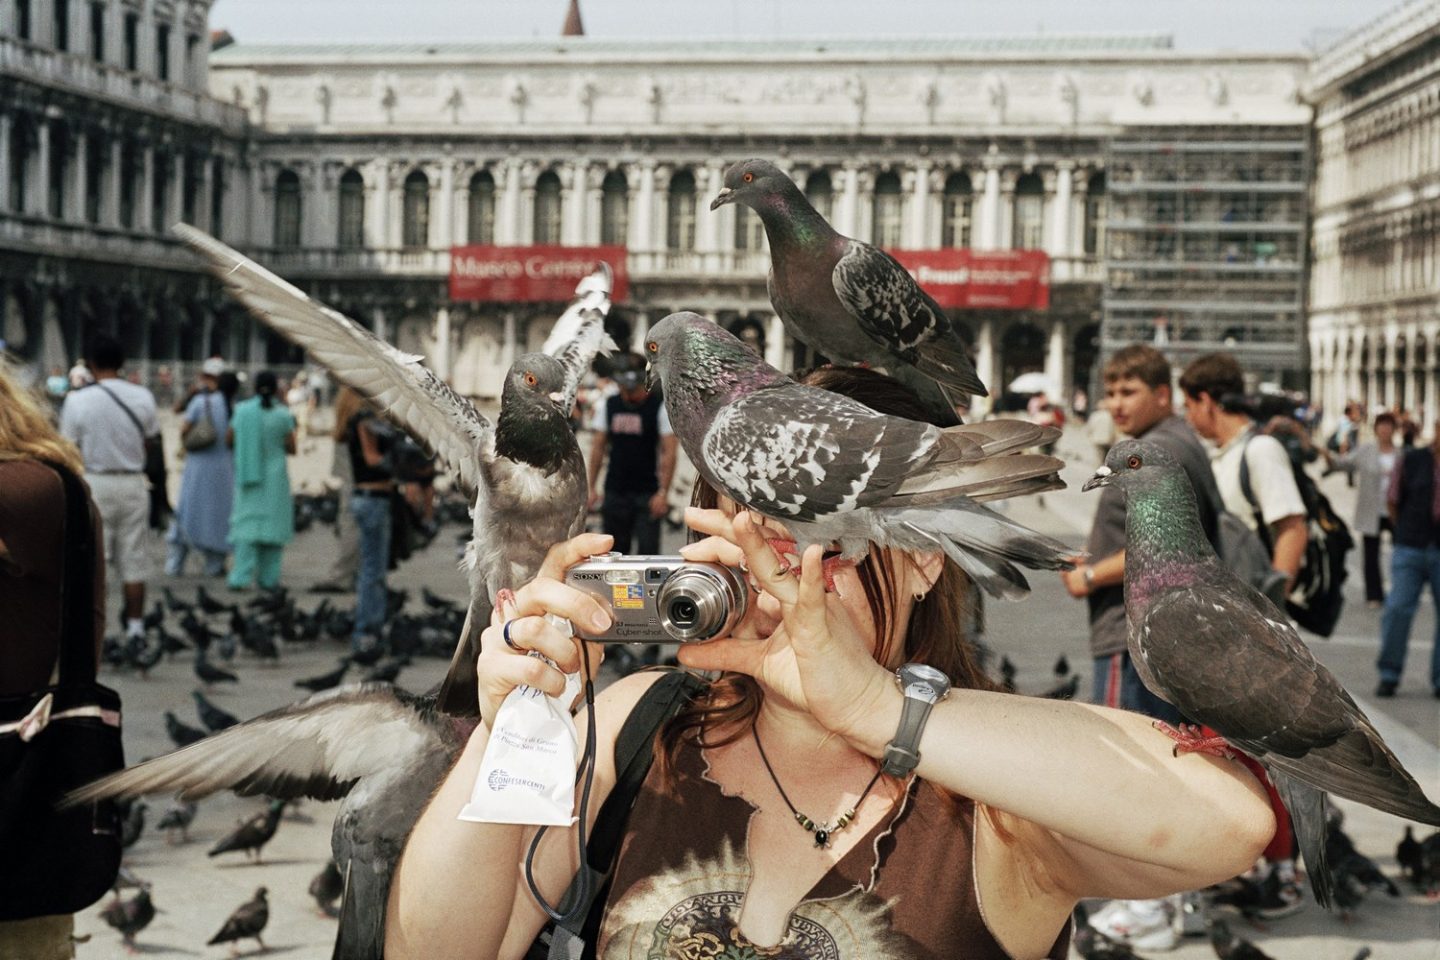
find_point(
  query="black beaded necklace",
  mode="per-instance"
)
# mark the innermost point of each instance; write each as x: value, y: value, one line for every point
x: 823, y: 832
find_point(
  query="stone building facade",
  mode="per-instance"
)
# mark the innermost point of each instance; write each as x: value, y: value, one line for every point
x: 108, y: 135
x: 370, y: 162
x: 1375, y: 283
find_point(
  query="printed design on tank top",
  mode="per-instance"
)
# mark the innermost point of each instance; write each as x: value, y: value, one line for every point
x: 699, y: 904
x: 627, y: 424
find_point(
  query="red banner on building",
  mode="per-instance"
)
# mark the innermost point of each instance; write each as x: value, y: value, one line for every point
x: 981, y: 279
x: 530, y: 274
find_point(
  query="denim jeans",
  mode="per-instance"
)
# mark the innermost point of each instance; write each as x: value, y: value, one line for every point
x: 372, y: 516
x: 1118, y: 685
x: 1410, y: 569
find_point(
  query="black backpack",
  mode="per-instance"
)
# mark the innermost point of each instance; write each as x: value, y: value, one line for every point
x: 1317, y: 598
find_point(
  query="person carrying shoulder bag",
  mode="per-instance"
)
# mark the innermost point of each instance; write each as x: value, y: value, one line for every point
x: 52, y: 590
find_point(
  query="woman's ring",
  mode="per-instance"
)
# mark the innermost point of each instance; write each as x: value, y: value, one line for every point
x: 508, y: 642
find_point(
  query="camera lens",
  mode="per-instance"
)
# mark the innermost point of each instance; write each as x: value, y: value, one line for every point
x: 700, y: 601
x: 682, y: 612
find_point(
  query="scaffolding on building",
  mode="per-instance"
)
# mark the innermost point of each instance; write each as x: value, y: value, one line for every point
x: 1205, y: 245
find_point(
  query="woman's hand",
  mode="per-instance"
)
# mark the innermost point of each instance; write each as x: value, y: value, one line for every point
x: 501, y: 667
x: 798, y: 641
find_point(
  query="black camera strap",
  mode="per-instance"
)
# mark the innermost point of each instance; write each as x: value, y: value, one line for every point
x: 575, y: 937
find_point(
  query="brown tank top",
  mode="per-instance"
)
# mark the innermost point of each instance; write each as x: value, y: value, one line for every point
x: 904, y: 892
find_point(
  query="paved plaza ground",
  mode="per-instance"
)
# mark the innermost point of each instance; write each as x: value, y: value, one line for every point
x: 195, y: 893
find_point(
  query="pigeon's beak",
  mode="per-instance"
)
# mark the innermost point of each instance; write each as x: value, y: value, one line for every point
x: 556, y: 397
x: 651, y: 378
x: 726, y: 195
x: 1102, y: 478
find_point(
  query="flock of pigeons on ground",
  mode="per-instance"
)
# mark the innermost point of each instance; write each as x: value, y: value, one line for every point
x: 831, y: 471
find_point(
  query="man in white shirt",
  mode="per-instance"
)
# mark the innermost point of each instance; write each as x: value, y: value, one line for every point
x: 1213, y: 387
x: 110, y: 421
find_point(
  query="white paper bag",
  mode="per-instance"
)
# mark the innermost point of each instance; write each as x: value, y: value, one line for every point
x: 528, y: 773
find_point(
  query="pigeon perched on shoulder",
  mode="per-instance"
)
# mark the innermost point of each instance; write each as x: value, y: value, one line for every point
x: 130, y: 916
x: 832, y: 470
x: 1208, y: 643
x: 381, y: 749
x: 849, y: 300
x: 247, y: 922
x: 524, y: 473
x: 251, y: 835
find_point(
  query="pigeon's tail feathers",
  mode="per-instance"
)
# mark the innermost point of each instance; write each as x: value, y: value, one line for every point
x: 361, y: 933
x: 460, y: 691
x: 988, y: 546
x: 1005, y: 435
x: 991, y: 478
x: 1308, y: 817
x: 947, y: 363
x: 1360, y: 767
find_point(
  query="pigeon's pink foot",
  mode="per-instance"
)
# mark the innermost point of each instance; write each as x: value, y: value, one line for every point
x: 503, y: 596
x: 829, y: 566
x: 1189, y: 738
x: 785, y: 549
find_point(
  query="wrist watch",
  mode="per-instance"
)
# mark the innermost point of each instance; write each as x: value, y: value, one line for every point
x: 923, y: 687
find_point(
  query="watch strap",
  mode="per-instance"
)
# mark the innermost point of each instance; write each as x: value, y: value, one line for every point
x: 902, y: 755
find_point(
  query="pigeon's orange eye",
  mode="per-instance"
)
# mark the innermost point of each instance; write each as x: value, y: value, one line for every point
x: 1133, y: 462
x: 748, y: 177
x: 652, y: 346
x: 530, y: 380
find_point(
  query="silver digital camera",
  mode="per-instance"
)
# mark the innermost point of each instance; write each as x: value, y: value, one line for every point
x: 662, y: 599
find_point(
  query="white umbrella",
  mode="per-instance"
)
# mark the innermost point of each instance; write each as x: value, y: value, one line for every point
x: 1035, y: 382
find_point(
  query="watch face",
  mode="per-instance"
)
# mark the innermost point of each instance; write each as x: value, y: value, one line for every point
x: 923, y: 682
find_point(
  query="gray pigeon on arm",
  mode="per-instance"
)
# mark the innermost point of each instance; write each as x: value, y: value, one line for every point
x: 1221, y: 653
x: 834, y: 471
x: 849, y: 300
x: 524, y: 473
x: 382, y: 750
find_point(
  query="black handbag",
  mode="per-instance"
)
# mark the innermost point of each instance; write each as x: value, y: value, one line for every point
x: 54, y: 740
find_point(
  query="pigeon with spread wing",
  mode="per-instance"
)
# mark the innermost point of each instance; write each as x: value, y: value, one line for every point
x: 524, y: 473
x: 379, y: 748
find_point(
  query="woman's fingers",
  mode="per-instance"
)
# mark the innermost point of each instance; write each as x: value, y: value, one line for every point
x: 502, y: 671
x: 728, y: 653
x: 772, y: 574
x: 538, y: 634
x: 714, y: 549
x: 809, y: 612
x: 584, y: 610
x: 565, y: 555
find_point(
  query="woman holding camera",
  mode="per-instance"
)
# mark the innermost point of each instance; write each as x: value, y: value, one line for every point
x: 806, y: 805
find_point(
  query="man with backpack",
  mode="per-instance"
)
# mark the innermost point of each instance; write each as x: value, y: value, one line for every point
x: 1411, y: 499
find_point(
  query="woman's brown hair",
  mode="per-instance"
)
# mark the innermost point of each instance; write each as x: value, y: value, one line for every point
x: 942, y: 628
x: 347, y: 403
x: 26, y: 431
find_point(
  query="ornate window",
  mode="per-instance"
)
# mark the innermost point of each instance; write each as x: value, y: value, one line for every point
x: 129, y: 173
x: 162, y: 51
x: 95, y: 159
x: 749, y: 230
x: 190, y: 190
x: 132, y: 41
x: 59, y: 150
x: 1029, y: 231
x: 614, y: 209
x: 62, y: 24
x: 21, y: 135
x: 23, y: 26
x: 287, y: 210
x: 889, y: 215
x: 680, y: 212
x: 956, y: 208
x: 547, y: 208
x: 97, y: 30
x: 1095, y: 216
x: 415, y: 218
x: 351, y: 227
x: 481, y: 214
x: 820, y: 193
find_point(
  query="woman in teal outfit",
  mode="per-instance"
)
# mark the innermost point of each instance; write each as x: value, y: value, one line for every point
x: 262, y: 521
